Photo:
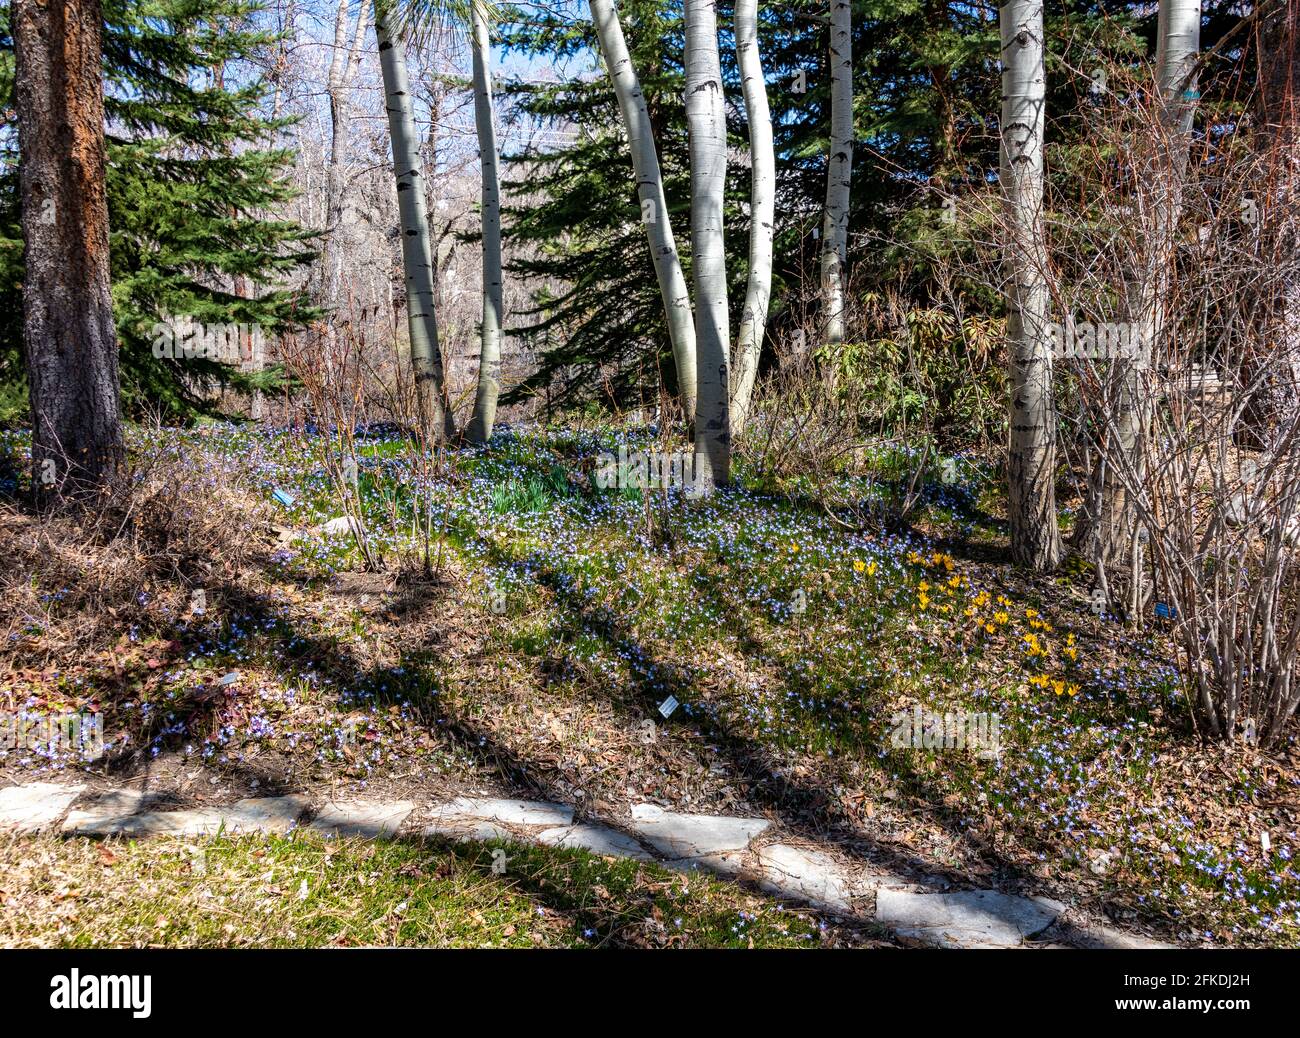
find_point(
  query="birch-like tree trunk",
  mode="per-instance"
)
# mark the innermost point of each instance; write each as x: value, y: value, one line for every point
x: 69, y: 340
x: 762, y: 201
x: 489, y: 362
x: 1106, y: 524
x: 417, y: 255
x: 1035, y: 536
x: 342, y: 72
x: 650, y: 193
x: 839, y: 167
x: 707, y: 128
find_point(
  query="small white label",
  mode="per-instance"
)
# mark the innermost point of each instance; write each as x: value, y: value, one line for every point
x: 668, y: 706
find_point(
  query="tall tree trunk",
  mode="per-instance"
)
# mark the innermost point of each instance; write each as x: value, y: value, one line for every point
x: 1035, y: 536
x: 762, y: 201
x: 417, y: 257
x: 650, y: 192
x: 707, y: 128
x: 1274, y: 376
x: 69, y: 339
x: 1106, y: 523
x: 489, y: 362
x: 839, y: 167
x: 342, y: 72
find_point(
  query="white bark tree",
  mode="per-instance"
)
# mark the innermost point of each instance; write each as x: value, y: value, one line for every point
x: 707, y: 128
x: 489, y: 364
x: 342, y: 72
x: 839, y: 167
x: 762, y: 202
x: 1106, y: 526
x: 650, y: 192
x: 1035, y: 535
x: 417, y: 253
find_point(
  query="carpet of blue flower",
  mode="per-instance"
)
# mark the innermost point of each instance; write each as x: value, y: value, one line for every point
x: 555, y: 618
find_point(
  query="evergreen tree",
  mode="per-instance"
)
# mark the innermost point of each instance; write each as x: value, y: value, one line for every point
x: 193, y: 171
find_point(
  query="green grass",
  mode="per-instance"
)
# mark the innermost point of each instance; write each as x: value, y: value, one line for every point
x: 302, y: 890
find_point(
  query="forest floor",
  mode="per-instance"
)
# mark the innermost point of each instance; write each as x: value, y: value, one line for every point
x: 538, y: 659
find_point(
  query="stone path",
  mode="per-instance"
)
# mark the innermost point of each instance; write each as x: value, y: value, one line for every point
x: 739, y: 848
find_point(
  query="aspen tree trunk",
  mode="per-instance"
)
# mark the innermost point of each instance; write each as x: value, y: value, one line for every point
x: 1035, y: 536
x: 839, y: 167
x: 342, y: 72
x: 762, y: 201
x: 489, y: 362
x: 417, y: 258
x: 1106, y: 525
x: 650, y: 192
x: 707, y: 128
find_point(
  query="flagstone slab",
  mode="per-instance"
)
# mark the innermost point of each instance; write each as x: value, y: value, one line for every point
x: 105, y: 807
x: 808, y: 875
x: 34, y: 806
x: 968, y: 918
x: 688, y: 843
x: 260, y: 814
x: 512, y: 812
x: 731, y: 864
x: 598, y: 839
x: 368, y: 818
x: 681, y: 836
x: 470, y: 829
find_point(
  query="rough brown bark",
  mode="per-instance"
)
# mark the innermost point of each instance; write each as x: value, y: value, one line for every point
x: 68, y: 336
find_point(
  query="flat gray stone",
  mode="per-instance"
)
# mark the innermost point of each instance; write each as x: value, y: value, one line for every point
x: 598, y: 839
x: 726, y: 863
x: 368, y: 818
x: 470, y: 829
x: 807, y: 875
x: 261, y: 814
x: 34, y: 806
x: 968, y: 918
x: 512, y: 812
x: 116, y: 803
x: 680, y: 836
